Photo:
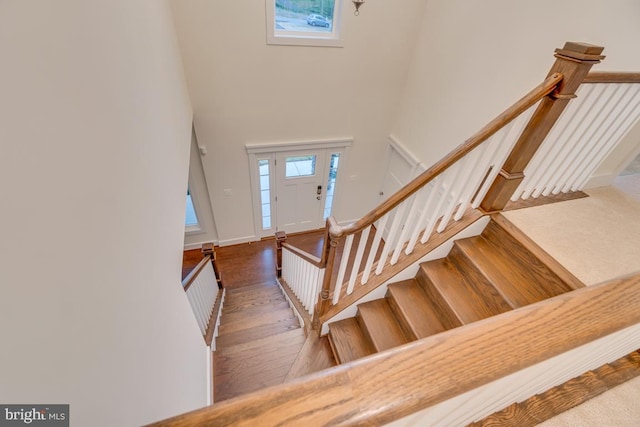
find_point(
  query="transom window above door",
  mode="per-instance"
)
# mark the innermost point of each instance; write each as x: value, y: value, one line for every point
x: 297, y: 166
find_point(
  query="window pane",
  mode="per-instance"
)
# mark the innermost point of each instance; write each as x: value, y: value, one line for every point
x: 331, y: 184
x: 190, y: 217
x: 300, y: 166
x: 315, y: 16
x: 265, y: 193
x: 264, y: 182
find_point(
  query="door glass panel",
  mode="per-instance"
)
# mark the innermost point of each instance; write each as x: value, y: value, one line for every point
x: 298, y: 166
x: 331, y: 184
x: 265, y: 193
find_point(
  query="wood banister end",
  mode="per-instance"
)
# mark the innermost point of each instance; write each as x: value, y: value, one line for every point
x: 582, y: 52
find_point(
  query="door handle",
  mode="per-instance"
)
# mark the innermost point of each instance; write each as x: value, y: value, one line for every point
x: 319, y: 192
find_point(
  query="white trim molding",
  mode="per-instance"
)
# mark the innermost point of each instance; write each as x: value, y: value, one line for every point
x: 273, y: 147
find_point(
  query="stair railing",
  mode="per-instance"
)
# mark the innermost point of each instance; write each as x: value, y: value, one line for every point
x: 607, y: 107
x: 203, y: 289
x: 483, y: 172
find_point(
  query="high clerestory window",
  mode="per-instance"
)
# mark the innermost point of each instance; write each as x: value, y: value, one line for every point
x: 304, y: 22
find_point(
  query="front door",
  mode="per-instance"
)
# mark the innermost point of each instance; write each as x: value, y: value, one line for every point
x: 301, y: 178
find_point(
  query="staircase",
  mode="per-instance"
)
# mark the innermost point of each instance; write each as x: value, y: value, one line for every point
x: 259, y: 340
x: 482, y: 276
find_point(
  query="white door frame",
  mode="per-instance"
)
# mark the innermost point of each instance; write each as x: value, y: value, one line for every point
x: 268, y: 150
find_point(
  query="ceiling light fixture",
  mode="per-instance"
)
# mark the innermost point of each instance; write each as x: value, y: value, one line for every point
x: 357, y: 4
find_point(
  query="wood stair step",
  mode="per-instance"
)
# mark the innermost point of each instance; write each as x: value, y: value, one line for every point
x: 258, y: 295
x: 459, y: 291
x: 236, y: 375
x: 416, y: 315
x: 520, y: 280
x: 348, y: 341
x: 232, y: 306
x: 258, y: 332
x: 522, y: 261
x: 315, y: 355
x: 233, y: 316
x: 281, y: 339
x: 269, y: 318
x: 252, y: 288
x: 379, y: 325
x: 238, y: 362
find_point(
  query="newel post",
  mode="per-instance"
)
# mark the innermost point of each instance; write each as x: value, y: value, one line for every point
x: 208, y: 249
x: 573, y: 61
x: 328, y: 260
x: 281, y: 238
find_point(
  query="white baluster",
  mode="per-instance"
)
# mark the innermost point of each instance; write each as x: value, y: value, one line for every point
x: 364, y: 237
x: 382, y: 223
x: 343, y: 267
x: 393, y: 234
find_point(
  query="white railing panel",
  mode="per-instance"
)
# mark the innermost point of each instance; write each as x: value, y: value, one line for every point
x: 303, y: 278
x: 202, y: 296
x: 587, y: 131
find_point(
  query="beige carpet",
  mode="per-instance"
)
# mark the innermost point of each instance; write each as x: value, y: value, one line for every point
x: 597, y: 239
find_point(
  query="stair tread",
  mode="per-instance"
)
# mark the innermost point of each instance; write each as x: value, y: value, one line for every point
x: 521, y: 266
x: 467, y: 295
x: 257, y: 332
x: 379, y: 325
x: 237, y: 305
x: 233, y: 316
x: 315, y: 355
x: 415, y: 313
x: 256, y: 295
x: 252, y: 288
x: 348, y: 341
x: 252, y: 321
x: 293, y: 335
x: 236, y: 375
x: 519, y: 284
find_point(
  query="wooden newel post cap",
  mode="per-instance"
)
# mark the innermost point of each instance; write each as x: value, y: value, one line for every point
x: 581, y: 52
x: 207, y: 249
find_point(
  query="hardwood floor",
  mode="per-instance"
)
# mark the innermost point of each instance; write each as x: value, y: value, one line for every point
x: 260, y: 342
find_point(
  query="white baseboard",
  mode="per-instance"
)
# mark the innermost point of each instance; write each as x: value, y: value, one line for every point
x: 238, y: 241
x: 192, y: 246
x: 602, y: 180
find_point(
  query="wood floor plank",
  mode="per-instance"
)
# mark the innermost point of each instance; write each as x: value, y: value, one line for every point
x: 379, y: 325
x: 416, y: 315
x: 348, y: 341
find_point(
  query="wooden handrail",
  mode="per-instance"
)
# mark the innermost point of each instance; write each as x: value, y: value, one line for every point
x: 612, y: 77
x: 398, y: 382
x: 548, y: 86
x: 188, y: 280
x: 312, y: 259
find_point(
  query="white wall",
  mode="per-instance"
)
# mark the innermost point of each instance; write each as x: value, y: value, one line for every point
x: 245, y: 91
x: 474, y: 59
x: 95, y: 125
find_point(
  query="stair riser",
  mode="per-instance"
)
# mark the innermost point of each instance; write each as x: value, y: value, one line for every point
x: 447, y: 316
x: 404, y: 324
